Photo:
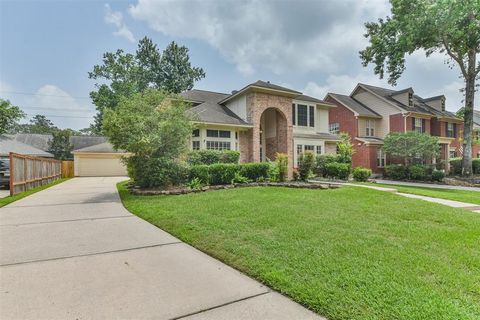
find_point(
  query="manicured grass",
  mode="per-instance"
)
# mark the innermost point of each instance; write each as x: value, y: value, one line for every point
x: 350, y: 253
x: 457, y: 195
x: 10, y: 199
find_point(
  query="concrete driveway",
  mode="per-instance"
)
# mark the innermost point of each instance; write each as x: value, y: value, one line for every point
x: 73, y: 252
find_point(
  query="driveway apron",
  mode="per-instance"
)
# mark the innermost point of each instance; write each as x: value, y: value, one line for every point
x: 73, y: 251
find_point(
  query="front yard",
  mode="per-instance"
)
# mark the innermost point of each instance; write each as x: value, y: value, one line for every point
x: 350, y: 253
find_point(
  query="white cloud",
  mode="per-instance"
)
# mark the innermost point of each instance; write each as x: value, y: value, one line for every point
x: 115, y: 18
x: 5, y: 88
x: 283, y: 37
x: 342, y: 84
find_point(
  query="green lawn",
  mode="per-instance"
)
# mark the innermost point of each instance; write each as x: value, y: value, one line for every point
x: 349, y: 253
x: 457, y: 195
x: 10, y: 199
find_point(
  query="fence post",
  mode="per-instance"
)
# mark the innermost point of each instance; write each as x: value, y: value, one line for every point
x: 12, y: 172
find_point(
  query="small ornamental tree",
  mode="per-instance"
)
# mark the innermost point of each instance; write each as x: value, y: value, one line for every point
x: 156, y: 129
x: 345, y: 148
x: 410, y: 145
x: 9, y: 115
x: 60, y: 145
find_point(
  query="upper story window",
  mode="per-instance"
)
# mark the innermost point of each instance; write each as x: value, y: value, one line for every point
x: 369, y: 128
x: 410, y: 99
x: 418, y: 124
x: 196, y: 133
x: 451, y: 130
x: 334, y: 128
x: 303, y: 115
x: 218, y: 133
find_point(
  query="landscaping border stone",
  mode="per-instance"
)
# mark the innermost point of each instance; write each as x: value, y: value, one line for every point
x: 178, y: 191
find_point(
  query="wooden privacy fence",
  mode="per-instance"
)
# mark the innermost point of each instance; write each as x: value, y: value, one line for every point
x: 67, y: 169
x: 28, y: 172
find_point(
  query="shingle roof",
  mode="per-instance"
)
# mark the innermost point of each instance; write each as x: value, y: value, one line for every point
x: 208, y: 109
x: 268, y: 85
x: 40, y: 141
x: 320, y: 135
x: 105, y: 147
x: 354, y: 105
x: 419, y: 104
x: 370, y: 140
x: 8, y: 145
x: 303, y: 97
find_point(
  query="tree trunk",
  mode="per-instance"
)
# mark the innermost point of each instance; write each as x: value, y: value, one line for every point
x: 468, y: 117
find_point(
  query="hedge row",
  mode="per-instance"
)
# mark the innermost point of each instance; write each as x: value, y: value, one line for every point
x: 225, y: 173
x: 198, y: 157
x: 414, y: 172
x: 456, y: 166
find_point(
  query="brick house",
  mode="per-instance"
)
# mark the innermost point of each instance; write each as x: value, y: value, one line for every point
x: 369, y: 113
x: 260, y: 120
x: 476, y: 132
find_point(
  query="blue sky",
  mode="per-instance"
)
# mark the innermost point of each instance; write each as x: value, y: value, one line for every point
x: 48, y: 47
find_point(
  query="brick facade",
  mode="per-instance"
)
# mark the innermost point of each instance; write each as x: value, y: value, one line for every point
x: 344, y: 117
x: 365, y: 156
x: 397, y: 123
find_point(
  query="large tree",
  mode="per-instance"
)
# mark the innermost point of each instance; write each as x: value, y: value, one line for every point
x: 411, y: 145
x: 447, y: 26
x: 60, y: 145
x: 9, y: 115
x: 124, y: 74
x: 38, y: 124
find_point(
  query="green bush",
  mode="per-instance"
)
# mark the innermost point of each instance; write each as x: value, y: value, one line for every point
x: 438, y: 175
x: 195, y: 184
x: 208, y: 157
x: 321, y: 161
x: 476, y: 166
x: 361, y: 174
x: 223, y: 173
x: 200, y: 172
x: 255, y: 171
x: 239, y: 178
x: 306, y: 165
x: 156, y: 172
x: 456, y: 166
x: 417, y: 172
x: 337, y: 170
x: 396, y: 172
x: 282, y: 165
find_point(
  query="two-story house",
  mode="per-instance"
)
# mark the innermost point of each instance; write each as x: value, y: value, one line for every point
x: 260, y: 120
x: 369, y: 113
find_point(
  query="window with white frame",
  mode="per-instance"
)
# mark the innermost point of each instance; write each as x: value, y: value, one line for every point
x: 311, y: 116
x: 196, y: 133
x: 309, y: 148
x: 453, y: 153
x: 450, y: 130
x: 418, y: 125
x: 381, y: 158
x: 195, y: 145
x: 302, y: 115
x: 218, y: 145
x: 369, y: 128
x: 319, y: 149
x: 299, y: 149
x: 218, y: 133
x: 334, y: 128
x: 410, y: 99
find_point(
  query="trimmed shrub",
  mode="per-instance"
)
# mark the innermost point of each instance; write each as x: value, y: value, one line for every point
x: 417, y: 172
x: 239, y: 178
x: 208, y: 157
x: 223, y: 173
x: 321, y: 161
x: 306, y: 164
x: 361, y: 174
x: 282, y: 165
x: 476, y: 166
x: 156, y: 172
x: 337, y: 170
x: 456, y: 166
x: 438, y: 175
x: 200, y: 172
x: 396, y: 171
x: 255, y: 170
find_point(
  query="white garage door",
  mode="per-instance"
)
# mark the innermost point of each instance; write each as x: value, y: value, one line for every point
x: 100, y: 166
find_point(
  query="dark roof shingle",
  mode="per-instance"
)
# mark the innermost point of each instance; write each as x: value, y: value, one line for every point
x: 355, y: 105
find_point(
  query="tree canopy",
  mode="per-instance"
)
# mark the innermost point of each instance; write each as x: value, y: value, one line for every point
x: 124, y: 74
x: 447, y: 26
x: 411, y: 145
x: 60, y: 145
x: 9, y: 115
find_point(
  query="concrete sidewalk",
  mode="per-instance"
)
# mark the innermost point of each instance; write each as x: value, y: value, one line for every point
x: 427, y: 185
x: 73, y: 252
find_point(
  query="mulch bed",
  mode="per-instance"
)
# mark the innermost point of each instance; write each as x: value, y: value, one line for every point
x: 177, y: 191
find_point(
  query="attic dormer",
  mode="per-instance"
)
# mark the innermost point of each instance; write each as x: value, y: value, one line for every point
x: 404, y: 96
x: 437, y: 102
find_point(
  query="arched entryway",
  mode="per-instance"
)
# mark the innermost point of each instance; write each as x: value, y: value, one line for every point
x: 273, y: 134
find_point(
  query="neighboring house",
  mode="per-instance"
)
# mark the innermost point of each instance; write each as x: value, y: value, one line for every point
x: 476, y: 133
x: 260, y: 120
x: 7, y: 145
x: 93, y: 155
x: 369, y: 113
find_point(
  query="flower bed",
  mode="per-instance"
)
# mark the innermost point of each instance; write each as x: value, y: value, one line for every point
x: 177, y: 191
